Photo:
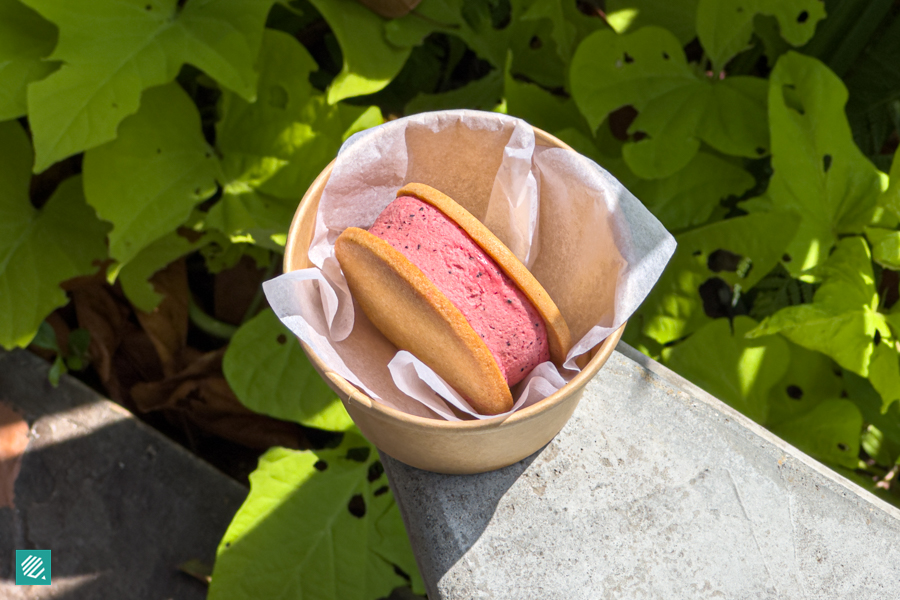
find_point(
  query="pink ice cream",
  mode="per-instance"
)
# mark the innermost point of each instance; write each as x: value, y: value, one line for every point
x: 493, y: 305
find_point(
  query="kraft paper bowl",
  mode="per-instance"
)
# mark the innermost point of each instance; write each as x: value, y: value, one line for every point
x: 453, y: 447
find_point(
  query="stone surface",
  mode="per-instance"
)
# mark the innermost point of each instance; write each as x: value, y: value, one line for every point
x: 119, y: 505
x: 654, y: 489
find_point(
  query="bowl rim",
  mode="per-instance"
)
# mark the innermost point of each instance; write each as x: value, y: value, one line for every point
x: 599, y: 354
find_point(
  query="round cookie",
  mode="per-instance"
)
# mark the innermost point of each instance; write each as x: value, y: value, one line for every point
x: 416, y: 316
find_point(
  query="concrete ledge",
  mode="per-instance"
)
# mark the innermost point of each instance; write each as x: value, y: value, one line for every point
x: 654, y: 489
x: 119, y: 505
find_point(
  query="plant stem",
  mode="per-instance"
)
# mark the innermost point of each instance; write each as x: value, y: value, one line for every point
x: 208, y: 324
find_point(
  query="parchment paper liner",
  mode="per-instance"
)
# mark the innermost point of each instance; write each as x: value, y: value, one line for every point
x: 590, y: 243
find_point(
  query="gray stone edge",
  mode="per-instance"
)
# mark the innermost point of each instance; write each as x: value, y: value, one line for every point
x: 23, y: 357
x: 680, y: 383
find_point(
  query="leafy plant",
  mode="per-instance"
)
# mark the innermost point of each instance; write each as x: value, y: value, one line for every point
x: 145, y: 141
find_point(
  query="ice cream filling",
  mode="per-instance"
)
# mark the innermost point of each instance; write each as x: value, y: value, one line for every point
x: 492, y: 303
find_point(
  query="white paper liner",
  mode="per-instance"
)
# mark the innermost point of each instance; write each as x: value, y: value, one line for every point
x: 589, y: 242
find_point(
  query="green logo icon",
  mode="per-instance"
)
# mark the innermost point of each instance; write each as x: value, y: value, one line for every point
x: 32, y: 567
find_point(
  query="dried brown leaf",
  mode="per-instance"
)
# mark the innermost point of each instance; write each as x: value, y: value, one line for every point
x: 167, y: 324
x: 202, y: 395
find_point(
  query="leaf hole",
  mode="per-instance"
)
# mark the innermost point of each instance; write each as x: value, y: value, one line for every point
x: 376, y: 470
x: 826, y: 162
x: 357, y: 506
x: 842, y: 447
x: 723, y: 260
x: 717, y: 298
x: 382, y: 490
x: 877, y: 339
x: 358, y: 454
x: 666, y: 55
x: 802, y: 17
x: 639, y: 135
x: 696, y: 253
x: 627, y: 58
x: 794, y: 392
x: 282, y: 339
x: 620, y: 121
x: 321, y: 465
x: 535, y: 43
x: 148, y: 7
x: 760, y: 151
x: 786, y: 258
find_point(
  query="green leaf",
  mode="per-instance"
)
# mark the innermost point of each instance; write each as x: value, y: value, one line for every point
x: 778, y: 290
x: 741, y: 372
x: 604, y: 78
x: 370, y: 61
x: 564, y: 32
x: 870, y: 403
x: 167, y: 249
x: 147, y: 181
x: 674, y: 308
x: 296, y: 537
x: 678, y: 16
x: 842, y: 319
x: 542, y: 34
x: 820, y: 174
x: 482, y: 94
x: 890, y: 198
x: 39, y: 249
x: 676, y: 108
x: 539, y: 107
x: 469, y: 21
x: 640, y: 342
x: 79, y: 344
x: 736, y: 110
x: 57, y: 370
x: 885, y: 247
x: 883, y: 450
x: 270, y: 374
x: 113, y: 49
x: 273, y: 148
x: 45, y: 337
x: 25, y: 39
x: 246, y: 215
x: 726, y: 26
x: 884, y: 372
x: 689, y: 197
x: 766, y: 29
x: 829, y: 432
x: 810, y: 379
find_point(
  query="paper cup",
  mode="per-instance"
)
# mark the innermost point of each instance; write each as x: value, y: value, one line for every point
x: 454, y: 447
